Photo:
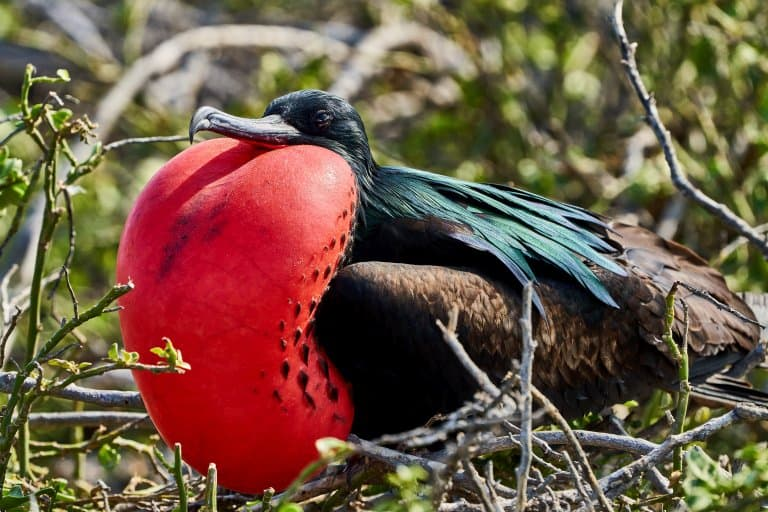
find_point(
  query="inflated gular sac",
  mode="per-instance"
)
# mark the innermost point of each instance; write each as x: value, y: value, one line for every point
x: 230, y: 249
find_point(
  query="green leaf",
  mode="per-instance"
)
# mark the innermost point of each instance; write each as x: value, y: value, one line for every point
x: 13, y: 181
x: 108, y: 456
x: 63, y: 74
x: 15, y: 497
x: 289, y: 507
x: 35, y: 110
x: 171, y: 355
x: 333, y: 448
x: 66, y: 365
x: 113, y: 353
x: 59, y: 118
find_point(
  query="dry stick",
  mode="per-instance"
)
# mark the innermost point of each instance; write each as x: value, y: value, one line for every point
x: 617, y: 482
x: 563, y: 424
x: 735, y: 244
x: 491, y: 481
x: 145, y: 140
x: 603, y: 440
x: 659, y: 481
x: 449, y: 336
x: 526, y: 424
x: 578, y: 482
x: 88, y: 419
x: 485, y: 383
x: 679, y: 179
x: 482, y: 486
x: 104, y: 398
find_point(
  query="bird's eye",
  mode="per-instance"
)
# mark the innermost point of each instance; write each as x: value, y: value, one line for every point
x: 322, y: 119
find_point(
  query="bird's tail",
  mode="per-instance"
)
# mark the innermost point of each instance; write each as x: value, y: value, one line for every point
x: 724, y: 391
x: 729, y: 388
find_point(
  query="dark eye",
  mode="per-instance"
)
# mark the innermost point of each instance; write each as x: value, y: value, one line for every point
x: 322, y: 119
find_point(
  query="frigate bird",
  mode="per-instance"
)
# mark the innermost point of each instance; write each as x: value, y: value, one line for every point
x: 423, y: 243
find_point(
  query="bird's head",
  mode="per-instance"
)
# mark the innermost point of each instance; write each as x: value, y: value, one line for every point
x: 302, y: 117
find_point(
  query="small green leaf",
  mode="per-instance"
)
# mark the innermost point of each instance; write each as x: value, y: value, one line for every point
x: 108, y: 456
x: 171, y: 356
x: 35, y: 110
x: 59, y: 118
x: 15, y: 497
x: 289, y: 507
x: 66, y: 365
x: 63, y: 74
x: 113, y: 353
x: 13, y: 181
x: 331, y: 448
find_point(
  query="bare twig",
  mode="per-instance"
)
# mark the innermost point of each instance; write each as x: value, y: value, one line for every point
x: 659, y: 481
x: 449, y: 336
x: 87, y: 419
x: 145, y: 140
x: 365, y: 62
x: 9, y: 328
x: 526, y: 364
x: 735, y: 244
x: 483, y: 487
x: 602, y: 440
x: 578, y: 482
x: 574, y: 442
x: 679, y: 179
x: 618, y: 481
x: 104, y: 398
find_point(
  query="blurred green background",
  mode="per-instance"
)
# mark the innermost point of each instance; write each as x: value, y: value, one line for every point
x: 527, y: 93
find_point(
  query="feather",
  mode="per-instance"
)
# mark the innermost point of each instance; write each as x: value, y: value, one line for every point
x: 517, y: 227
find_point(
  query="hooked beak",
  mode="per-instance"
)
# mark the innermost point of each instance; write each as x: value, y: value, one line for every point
x: 269, y: 131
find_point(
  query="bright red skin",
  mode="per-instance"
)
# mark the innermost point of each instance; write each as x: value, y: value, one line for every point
x: 227, y: 247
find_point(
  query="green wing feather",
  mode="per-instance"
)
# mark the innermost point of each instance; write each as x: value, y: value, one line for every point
x: 516, y: 226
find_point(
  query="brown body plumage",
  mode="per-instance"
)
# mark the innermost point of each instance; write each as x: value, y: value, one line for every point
x: 378, y: 324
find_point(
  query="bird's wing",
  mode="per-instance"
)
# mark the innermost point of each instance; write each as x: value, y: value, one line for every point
x: 377, y: 323
x: 719, y: 320
x: 518, y: 228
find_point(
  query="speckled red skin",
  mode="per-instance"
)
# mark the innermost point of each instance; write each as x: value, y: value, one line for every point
x: 230, y: 249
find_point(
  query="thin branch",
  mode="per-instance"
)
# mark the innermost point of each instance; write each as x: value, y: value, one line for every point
x: 365, y: 62
x: 526, y: 364
x: 604, y: 440
x: 11, y: 135
x: 145, y: 140
x: 104, y: 398
x: 88, y: 419
x: 659, y: 481
x: 679, y: 179
x: 583, y: 460
x: 578, y: 482
x: 64, y: 272
x: 9, y: 328
x: 97, y: 309
x: 483, y: 487
x: 449, y: 336
x: 618, y: 481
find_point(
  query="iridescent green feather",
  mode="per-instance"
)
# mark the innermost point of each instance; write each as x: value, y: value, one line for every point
x: 516, y: 226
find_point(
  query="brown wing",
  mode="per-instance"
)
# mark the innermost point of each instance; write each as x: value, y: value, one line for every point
x: 377, y: 323
x: 713, y: 330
